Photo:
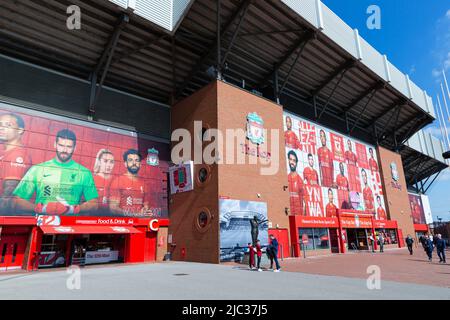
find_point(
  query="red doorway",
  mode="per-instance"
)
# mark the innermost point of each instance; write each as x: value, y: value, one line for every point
x: 12, y: 251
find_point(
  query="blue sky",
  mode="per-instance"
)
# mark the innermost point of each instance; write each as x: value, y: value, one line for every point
x: 415, y: 35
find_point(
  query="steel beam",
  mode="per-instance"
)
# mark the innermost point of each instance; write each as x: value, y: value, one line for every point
x: 262, y: 33
x: 380, y: 136
x: 432, y: 181
x: 345, y: 66
x: 107, y: 55
x: 325, y: 106
x: 139, y: 48
x: 370, y: 91
x: 235, y: 33
x: 419, y: 122
x: 296, y: 46
x: 374, y: 92
x: 214, y: 47
x: 390, y: 109
x: 291, y: 69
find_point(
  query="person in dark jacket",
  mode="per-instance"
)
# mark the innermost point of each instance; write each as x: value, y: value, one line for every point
x: 429, y: 247
x: 422, y: 240
x: 409, y: 243
x: 269, y: 254
x: 440, y: 248
x: 274, y: 245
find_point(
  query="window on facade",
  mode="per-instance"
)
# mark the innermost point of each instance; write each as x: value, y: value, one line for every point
x: 318, y: 238
x: 203, y: 219
x: 202, y: 175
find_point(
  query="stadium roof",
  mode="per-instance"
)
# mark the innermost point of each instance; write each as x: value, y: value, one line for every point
x: 299, y: 51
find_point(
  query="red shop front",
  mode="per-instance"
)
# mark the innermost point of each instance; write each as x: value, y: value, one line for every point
x: 350, y: 230
x: 52, y: 241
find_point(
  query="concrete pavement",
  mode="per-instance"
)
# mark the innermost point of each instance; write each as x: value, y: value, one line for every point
x: 179, y: 280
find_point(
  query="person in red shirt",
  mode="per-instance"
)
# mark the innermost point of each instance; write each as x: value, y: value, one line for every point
x: 251, y: 256
x: 103, y: 167
x: 373, y: 165
x: 341, y: 179
x: 310, y: 174
x: 258, y: 255
x: 367, y: 193
x: 295, y: 185
x: 14, y: 159
x: 325, y: 161
x: 129, y: 194
x: 343, y: 188
x: 350, y: 156
x: 290, y: 137
x: 381, y: 213
x: 331, y: 209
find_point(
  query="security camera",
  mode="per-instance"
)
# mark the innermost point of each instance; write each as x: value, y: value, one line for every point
x: 446, y: 155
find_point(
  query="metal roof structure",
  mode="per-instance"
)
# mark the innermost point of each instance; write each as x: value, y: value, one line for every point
x: 297, y: 52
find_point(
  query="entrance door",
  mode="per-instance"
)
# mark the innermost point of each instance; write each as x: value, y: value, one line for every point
x: 12, y: 251
x: 352, y: 239
x: 334, y: 240
x: 79, y: 251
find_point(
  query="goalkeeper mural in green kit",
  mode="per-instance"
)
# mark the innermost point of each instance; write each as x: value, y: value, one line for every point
x: 60, y: 185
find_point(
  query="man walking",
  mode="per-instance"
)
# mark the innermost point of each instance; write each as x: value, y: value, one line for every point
x: 381, y: 240
x: 409, y: 243
x: 440, y: 248
x: 429, y: 247
x: 274, y: 245
x: 372, y: 242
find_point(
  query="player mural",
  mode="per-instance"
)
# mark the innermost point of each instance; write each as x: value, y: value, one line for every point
x: 328, y: 171
x: 238, y: 221
x: 56, y: 166
x: 417, y: 211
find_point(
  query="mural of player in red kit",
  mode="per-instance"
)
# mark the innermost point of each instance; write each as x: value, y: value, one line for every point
x: 333, y: 167
x: 54, y: 165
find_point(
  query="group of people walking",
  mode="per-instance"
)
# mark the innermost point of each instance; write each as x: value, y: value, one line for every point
x: 429, y: 243
x: 271, y: 252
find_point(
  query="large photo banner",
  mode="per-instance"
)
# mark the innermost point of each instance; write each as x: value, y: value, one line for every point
x: 241, y: 222
x: 53, y: 165
x: 328, y: 171
x: 417, y: 210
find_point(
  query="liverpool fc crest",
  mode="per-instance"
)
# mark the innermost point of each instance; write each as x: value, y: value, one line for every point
x: 255, y: 128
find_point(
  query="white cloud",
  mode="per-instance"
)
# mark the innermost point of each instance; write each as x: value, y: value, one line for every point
x: 447, y: 15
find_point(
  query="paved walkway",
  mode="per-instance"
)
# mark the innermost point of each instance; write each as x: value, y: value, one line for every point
x: 192, y: 281
x: 395, y: 265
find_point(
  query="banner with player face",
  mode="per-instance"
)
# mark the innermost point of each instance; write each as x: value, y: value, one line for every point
x: 417, y: 211
x: 53, y: 165
x: 329, y: 171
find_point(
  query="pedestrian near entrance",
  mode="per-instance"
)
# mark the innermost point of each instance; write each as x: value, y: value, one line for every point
x: 372, y: 242
x: 274, y: 244
x: 251, y: 256
x: 429, y: 247
x: 381, y: 241
x: 440, y: 248
x: 409, y: 243
x: 258, y: 254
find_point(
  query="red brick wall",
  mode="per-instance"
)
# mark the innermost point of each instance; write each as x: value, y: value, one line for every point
x: 244, y: 182
x: 223, y: 106
x: 185, y: 207
x: 397, y: 201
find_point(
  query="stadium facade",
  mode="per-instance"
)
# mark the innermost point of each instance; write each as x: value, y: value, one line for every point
x: 87, y: 115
